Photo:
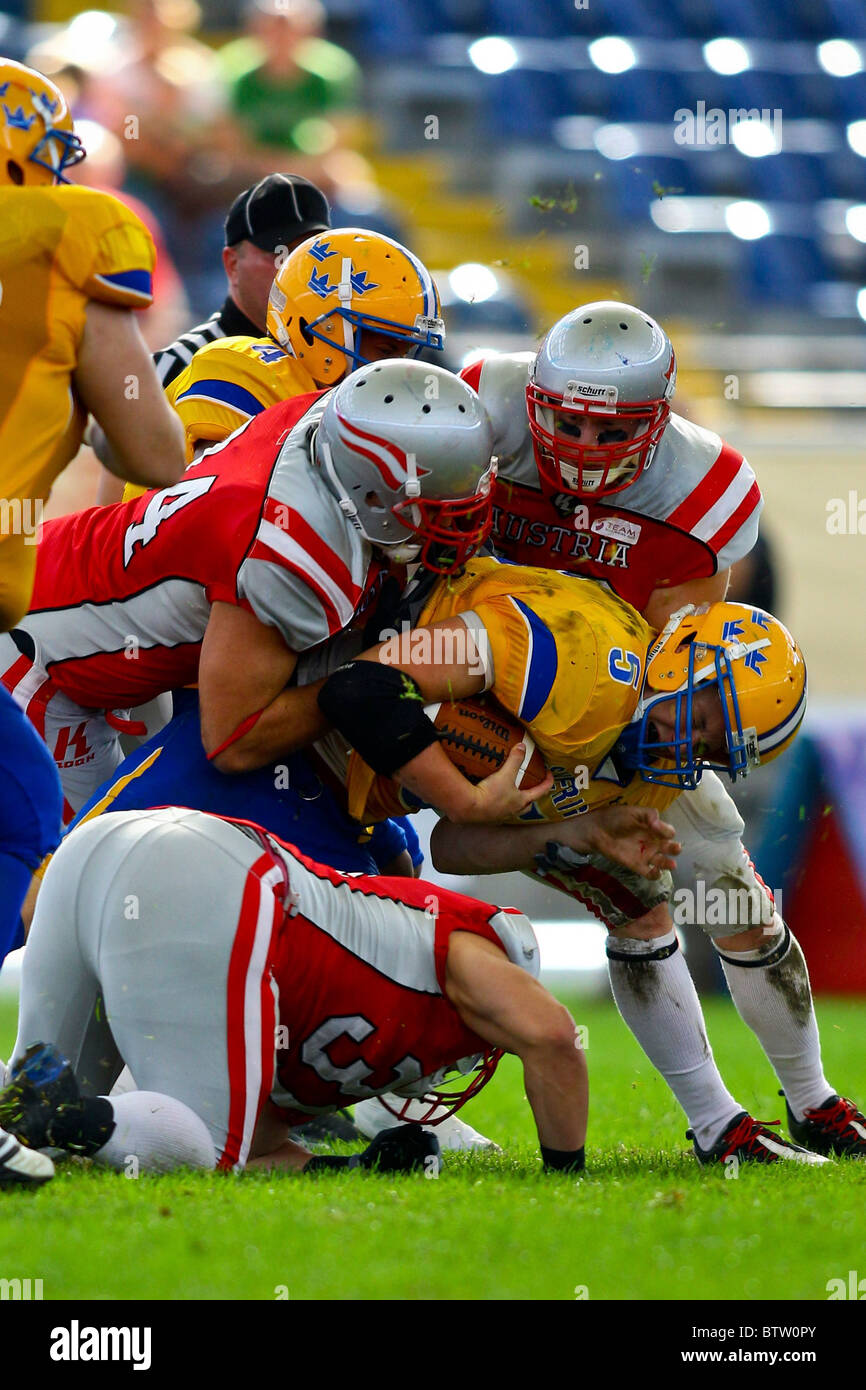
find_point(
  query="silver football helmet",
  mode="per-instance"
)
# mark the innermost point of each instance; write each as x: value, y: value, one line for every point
x: 406, y: 448
x: 599, y: 398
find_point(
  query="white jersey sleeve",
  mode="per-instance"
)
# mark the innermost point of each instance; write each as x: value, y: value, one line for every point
x: 703, y: 486
x: 501, y: 383
x: 308, y: 568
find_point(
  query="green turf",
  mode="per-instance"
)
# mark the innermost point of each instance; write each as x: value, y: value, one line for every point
x: 645, y: 1222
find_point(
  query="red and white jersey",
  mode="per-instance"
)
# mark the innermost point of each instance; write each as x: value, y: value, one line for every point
x: 123, y: 594
x: 691, y: 514
x: 361, y: 979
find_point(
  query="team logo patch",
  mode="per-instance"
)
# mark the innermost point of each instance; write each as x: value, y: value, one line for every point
x: 321, y: 251
x: 616, y: 528
x: 320, y: 284
x: 17, y: 120
x: 360, y: 284
x: 754, y: 660
x: 732, y: 629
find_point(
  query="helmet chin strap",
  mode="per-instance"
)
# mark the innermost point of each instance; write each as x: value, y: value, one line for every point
x: 326, y: 463
x: 344, y: 294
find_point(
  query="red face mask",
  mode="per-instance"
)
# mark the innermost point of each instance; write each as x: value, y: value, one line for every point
x: 592, y: 470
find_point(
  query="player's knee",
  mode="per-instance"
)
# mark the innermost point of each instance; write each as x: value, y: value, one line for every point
x: 554, y: 1030
x: 656, y: 922
x: 732, y: 905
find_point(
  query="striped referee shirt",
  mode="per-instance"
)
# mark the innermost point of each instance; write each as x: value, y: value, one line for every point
x: 227, y: 322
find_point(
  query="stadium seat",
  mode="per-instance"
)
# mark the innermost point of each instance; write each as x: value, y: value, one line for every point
x: 751, y: 19
x: 795, y: 178
x: 631, y: 185
x: 779, y: 269
x: 523, y: 104
x: 847, y: 18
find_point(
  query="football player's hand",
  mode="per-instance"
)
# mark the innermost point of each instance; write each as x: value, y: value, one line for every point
x: 403, y: 1149
x: 497, y: 799
x: 633, y: 836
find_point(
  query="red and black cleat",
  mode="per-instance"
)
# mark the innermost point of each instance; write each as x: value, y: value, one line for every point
x: 750, y: 1141
x: 836, y: 1127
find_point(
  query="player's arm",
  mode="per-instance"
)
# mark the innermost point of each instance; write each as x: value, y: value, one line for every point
x: 509, y: 1009
x: 247, y: 715
x: 383, y: 717
x: 633, y: 836
x: 116, y: 381
x: 663, y: 602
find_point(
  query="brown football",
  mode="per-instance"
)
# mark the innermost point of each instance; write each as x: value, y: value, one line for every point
x: 478, y: 734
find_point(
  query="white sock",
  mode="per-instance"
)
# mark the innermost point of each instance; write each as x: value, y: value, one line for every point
x: 770, y: 988
x: 155, y: 1133
x: 657, y: 999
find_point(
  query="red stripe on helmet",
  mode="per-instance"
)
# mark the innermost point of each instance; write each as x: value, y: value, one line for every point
x: 396, y: 453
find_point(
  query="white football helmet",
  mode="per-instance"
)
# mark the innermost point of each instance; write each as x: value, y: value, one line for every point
x: 599, y: 398
x: 406, y: 448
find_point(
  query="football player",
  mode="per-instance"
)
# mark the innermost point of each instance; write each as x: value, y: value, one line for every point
x: 282, y: 989
x: 604, y: 702
x: 74, y: 264
x: 267, y: 547
x: 341, y: 300
x: 598, y: 476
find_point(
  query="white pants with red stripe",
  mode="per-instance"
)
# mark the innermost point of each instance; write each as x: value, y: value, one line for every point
x: 134, y: 957
x: 85, y: 746
x: 716, y: 885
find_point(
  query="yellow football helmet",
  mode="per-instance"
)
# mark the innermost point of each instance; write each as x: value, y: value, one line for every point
x: 759, y: 672
x: 338, y: 285
x: 37, y: 139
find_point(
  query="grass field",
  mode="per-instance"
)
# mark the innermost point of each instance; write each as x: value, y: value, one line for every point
x: 645, y: 1223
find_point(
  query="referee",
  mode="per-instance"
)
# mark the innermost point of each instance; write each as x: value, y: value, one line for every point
x: 264, y: 224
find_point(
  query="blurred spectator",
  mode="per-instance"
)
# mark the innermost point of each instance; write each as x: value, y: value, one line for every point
x: 289, y: 88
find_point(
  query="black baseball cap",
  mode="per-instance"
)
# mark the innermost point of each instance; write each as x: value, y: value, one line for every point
x: 276, y: 211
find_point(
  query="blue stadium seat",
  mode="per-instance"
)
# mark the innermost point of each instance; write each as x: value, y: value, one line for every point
x: 395, y: 30
x: 649, y: 19
x: 631, y: 185
x: 794, y: 178
x: 646, y: 95
x: 523, y: 104
x: 779, y: 269
x: 517, y: 19
x: 852, y: 96
x: 751, y: 19
x: 848, y: 18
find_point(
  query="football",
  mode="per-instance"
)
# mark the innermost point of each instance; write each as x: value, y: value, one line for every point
x: 478, y: 735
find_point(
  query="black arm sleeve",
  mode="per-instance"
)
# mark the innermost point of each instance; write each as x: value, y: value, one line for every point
x: 380, y: 711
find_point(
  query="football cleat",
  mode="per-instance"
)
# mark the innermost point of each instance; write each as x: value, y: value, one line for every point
x: 750, y: 1141
x: 454, y: 1135
x: 20, y: 1166
x: 42, y: 1083
x: 836, y: 1127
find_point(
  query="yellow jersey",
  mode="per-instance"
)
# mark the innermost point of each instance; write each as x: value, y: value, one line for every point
x: 60, y: 247
x: 566, y: 657
x: 227, y: 383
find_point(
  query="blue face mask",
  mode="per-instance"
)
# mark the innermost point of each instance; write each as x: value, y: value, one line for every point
x: 638, y: 750
x: 425, y: 336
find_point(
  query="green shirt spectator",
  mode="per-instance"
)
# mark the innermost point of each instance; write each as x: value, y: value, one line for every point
x: 284, y: 80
